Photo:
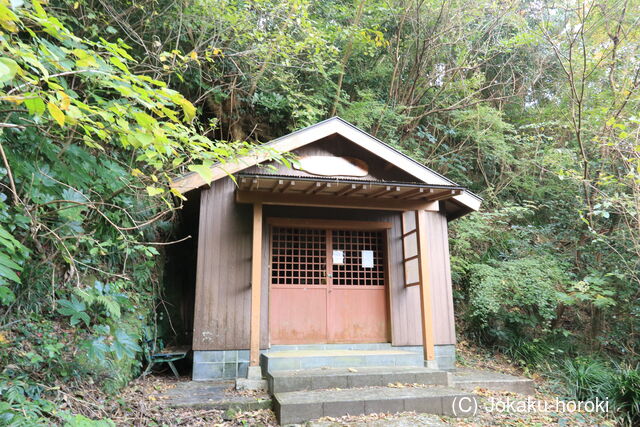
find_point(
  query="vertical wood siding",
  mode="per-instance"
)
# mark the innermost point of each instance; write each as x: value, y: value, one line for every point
x: 406, y: 326
x: 442, y: 297
x: 223, y: 279
x: 223, y: 288
x: 405, y: 302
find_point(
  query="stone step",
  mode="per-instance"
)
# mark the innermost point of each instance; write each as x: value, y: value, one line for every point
x: 356, y: 346
x: 309, y: 359
x: 301, y: 406
x: 469, y: 379
x: 319, y: 378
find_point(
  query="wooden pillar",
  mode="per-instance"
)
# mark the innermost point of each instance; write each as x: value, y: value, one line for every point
x: 425, y: 287
x: 256, y: 279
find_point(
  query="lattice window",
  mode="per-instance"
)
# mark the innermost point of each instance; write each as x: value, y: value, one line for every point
x: 410, y: 249
x: 298, y: 256
x: 352, y: 271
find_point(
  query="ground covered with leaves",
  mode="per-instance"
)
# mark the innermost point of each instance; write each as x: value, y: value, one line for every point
x: 144, y: 403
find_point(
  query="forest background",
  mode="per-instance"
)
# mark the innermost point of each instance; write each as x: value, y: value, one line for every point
x: 531, y: 104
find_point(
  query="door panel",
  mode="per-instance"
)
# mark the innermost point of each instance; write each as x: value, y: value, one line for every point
x: 357, y: 316
x: 317, y: 296
x: 298, y: 316
x: 298, y: 294
x: 357, y: 293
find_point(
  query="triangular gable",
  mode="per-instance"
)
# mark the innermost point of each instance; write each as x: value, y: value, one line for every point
x: 308, y: 135
x: 335, y: 157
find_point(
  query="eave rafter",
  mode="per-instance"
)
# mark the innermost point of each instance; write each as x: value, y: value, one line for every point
x: 311, y: 191
x: 466, y: 200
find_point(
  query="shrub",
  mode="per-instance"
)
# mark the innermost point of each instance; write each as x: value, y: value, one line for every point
x: 531, y: 352
x: 624, y: 392
x: 518, y: 295
x: 586, y: 379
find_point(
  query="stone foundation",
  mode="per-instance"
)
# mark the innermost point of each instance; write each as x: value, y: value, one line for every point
x: 445, y: 355
x: 220, y: 364
x: 231, y: 364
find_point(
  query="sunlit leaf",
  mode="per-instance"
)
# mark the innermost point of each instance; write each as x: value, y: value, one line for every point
x: 56, y: 113
x: 35, y: 106
x: 8, y: 69
x: 204, y: 171
x: 154, y: 191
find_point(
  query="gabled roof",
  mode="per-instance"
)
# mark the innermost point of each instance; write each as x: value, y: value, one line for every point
x: 334, y: 125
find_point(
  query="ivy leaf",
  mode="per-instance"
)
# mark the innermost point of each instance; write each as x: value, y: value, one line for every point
x: 8, y: 19
x: 65, y: 101
x: 85, y: 59
x: 178, y: 194
x: 118, y: 63
x: 56, y: 113
x: 189, y: 110
x: 154, y: 191
x: 145, y: 120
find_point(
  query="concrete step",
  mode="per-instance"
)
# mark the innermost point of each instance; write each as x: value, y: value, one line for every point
x: 319, y: 378
x: 469, y: 379
x: 357, y: 346
x: 309, y: 359
x: 302, y: 406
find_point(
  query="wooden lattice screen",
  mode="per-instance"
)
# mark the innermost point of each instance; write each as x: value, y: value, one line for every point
x: 410, y: 251
x: 303, y: 256
x: 298, y: 256
x: 351, y: 271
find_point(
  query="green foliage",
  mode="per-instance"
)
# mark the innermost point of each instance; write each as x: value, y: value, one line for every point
x: 532, y: 354
x: 88, y: 150
x: 587, y: 378
x: 596, y: 290
x: 12, y: 255
x: 82, y: 421
x: 105, y: 299
x: 75, y: 309
x: 520, y: 294
x: 102, y: 105
x: 624, y: 391
x: 23, y: 405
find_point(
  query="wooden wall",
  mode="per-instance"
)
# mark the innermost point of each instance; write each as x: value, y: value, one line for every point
x: 223, y: 279
x: 223, y: 289
x: 407, y: 325
x: 442, y: 298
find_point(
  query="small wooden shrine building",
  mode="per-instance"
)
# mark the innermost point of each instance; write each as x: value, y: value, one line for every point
x: 349, y: 245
